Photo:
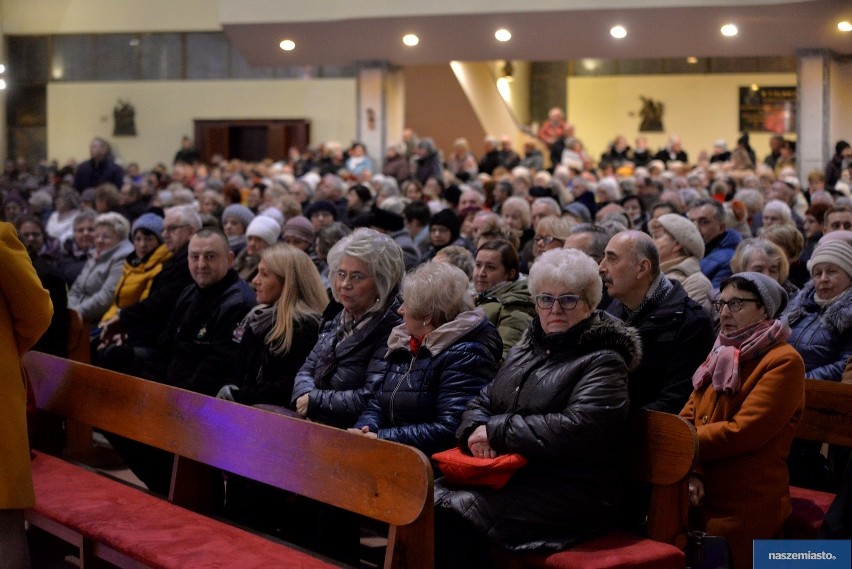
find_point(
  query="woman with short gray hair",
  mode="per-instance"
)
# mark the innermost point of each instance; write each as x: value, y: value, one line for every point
x: 94, y: 289
x: 333, y: 386
x: 443, y: 354
x: 560, y: 399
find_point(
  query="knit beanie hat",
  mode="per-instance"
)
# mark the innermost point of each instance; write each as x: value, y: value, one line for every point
x: 447, y: 218
x: 264, y: 227
x: 274, y: 213
x: 239, y: 212
x: 579, y: 211
x: 321, y: 205
x: 150, y: 222
x: 387, y: 220
x: 300, y: 228
x: 772, y: 295
x: 684, y: 232
x: 836, y: 252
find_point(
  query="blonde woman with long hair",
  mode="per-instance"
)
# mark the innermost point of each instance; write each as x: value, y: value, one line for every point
x: 277, y: 335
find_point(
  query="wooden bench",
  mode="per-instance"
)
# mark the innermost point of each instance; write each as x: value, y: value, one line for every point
x: 828, y: 419
x: 662, y: 451
x: 128, y: 527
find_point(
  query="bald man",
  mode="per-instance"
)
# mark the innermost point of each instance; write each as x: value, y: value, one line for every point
x: 677, y: 334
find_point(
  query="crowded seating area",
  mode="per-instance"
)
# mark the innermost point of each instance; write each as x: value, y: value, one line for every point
x: 558, y: 307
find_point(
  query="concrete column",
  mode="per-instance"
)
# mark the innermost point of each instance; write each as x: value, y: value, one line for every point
x: 372, y: 111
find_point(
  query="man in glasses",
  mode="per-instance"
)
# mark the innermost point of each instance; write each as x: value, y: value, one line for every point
x: 677, y: 334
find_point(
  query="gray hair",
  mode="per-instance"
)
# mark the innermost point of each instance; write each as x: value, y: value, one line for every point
x: 116, y: 221
x: 551, y: 203
x: 521, y: 205
x: 575, y: 270
x: 439, y: 290
x: 600, y: 236
x: 85, y: 215
x: 379, y: 252
x: 458, y: 256
x: 187, y: 216
x: 395, y: 204
x: 781, y: 209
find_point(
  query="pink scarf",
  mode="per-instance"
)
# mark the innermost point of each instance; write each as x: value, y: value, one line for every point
x: 722, y: 366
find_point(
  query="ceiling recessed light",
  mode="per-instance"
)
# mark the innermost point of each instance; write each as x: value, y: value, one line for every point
x: 2, y: 84
x: 503, y: 34
x: 618, y: 32
x: 410, y: 40
x: 729, y: 30
x: 2, y: 68
x: 844, y: 26
x: 287, y: 45
x: 692, y: 60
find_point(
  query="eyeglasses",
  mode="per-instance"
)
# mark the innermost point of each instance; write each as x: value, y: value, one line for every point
x: 354, y: 278
x: 566, y: 301
x: 735, y: 304
x: 548, y: 239
x: 170, y: 228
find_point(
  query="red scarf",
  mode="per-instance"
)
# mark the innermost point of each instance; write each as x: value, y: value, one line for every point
x: 722, y: 366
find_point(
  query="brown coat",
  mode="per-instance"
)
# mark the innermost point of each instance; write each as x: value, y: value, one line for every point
x: 25, y: 311
x: 743, y: 443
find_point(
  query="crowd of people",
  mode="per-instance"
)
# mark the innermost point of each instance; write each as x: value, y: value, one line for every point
x: 490, y: 303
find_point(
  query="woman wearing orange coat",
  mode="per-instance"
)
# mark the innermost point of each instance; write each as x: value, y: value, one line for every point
x: 25, y: 311
x: 749, y: 396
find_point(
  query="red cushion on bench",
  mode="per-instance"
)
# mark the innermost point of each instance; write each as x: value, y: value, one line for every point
x: 809, y: 509
x: 149, y: 529
x: 614, y: 549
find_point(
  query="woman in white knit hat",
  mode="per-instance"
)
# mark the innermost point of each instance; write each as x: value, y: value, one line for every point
x: 262, y: 232
x: 681, y: 248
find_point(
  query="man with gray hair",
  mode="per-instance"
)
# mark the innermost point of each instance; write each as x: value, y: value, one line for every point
x: 708, y: 215
x: 677, y: 334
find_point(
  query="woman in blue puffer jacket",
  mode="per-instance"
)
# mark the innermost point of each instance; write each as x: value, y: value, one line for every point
x: 440, y: 357
x: 820, y: 316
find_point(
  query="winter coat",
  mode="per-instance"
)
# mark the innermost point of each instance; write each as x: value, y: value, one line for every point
x: 261, y: 375
x: 823, y: 336
x: 25, y: 311
x: 677, y: 335
x: 246, y: 265
x: 147, y: 319
x: 397, y: 168
x: 336, y: 374
x: 419, y: 399
x: 743, y: 443
x: 70, y: 262
x: 136, y: 280
x: 198, y: 341
x: 687, y: 271
x: 561, y: 401
x: 94, y: 290
x: 510, y: 307
x: 410, y: 252
x: 427, y: 167
x: 716, y: 264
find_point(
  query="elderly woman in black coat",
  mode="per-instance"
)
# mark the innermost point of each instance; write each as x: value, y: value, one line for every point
x: 560, y: 400
x: 333, y: 386
x: 440, y: 357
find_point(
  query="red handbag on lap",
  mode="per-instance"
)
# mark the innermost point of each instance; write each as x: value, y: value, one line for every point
x: 464, y: 470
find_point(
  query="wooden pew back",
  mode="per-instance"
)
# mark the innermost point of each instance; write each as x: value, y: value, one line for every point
x: 828, y: 413
x: 385, y: 481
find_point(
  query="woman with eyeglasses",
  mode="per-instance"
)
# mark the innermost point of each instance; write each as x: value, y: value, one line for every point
x: 560, y: 400
x: 501, y: 292
x: 748, y: 398
x: 551, y: 232
x: 332, y: 387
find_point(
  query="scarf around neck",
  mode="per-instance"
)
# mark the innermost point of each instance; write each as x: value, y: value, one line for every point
x: 722, y: 366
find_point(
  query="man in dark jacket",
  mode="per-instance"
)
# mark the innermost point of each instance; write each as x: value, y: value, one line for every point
x: 677, y: 334
x: 99, y: 169
x: 708, y: 215
x: 197, y: 342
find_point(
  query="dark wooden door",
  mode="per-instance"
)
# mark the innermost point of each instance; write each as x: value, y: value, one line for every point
x: 251, y: 139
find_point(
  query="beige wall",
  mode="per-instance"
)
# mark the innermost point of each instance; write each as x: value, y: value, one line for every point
x: 699, y: 108
x: 165, y: 111
x: 23, y: 17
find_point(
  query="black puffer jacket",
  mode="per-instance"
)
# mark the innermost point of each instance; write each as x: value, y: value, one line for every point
x: 420, y: 398
x: 336, y: 372
x: 561, y: 401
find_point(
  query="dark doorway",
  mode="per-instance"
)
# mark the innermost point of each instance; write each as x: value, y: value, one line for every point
x: 249, y: 143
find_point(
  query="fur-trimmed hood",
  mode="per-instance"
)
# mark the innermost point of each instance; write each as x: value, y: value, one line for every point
x: 601, y: 331
x: 837, y: 316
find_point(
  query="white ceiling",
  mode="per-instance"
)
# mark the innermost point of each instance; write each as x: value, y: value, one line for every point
x: 764, y: 30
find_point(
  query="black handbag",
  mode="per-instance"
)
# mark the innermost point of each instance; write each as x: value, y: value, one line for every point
x: 705, y: 551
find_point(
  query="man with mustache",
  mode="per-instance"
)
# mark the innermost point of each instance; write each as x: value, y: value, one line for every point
x: 677, y: 334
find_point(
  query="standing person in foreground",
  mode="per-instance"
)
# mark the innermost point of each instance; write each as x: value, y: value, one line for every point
x: 25, y: 311
x: 560, y: 400
x: 749, y: 396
